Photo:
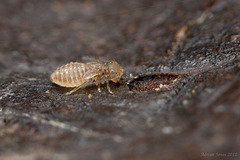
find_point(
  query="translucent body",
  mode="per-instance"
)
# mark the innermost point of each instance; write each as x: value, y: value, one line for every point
x: 80, y: 75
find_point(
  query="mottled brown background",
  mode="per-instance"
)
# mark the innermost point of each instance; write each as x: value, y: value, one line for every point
x: 196, y: 117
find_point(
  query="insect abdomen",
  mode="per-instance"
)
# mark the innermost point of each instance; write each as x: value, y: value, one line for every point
x: 69, y: 75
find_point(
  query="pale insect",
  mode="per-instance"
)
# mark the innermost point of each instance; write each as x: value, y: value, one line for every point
x: 80, y: 75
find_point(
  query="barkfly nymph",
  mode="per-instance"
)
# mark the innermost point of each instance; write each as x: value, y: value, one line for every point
x: 80, y: 75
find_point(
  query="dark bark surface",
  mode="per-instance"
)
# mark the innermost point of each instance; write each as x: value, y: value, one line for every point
x: 179, y: 96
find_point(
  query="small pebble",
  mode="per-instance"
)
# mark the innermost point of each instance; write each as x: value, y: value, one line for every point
x: 90, y: 96
x: 47, y: 91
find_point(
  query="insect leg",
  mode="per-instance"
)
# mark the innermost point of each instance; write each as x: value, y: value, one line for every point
x: 79, y: 87
x: 98, y: 85
x: 74, y: 90
x: 108, y: 87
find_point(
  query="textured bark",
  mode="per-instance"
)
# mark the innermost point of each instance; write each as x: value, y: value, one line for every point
x: 179, y: 96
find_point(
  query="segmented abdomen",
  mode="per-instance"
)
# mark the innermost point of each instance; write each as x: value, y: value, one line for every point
x: 69, y: 75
